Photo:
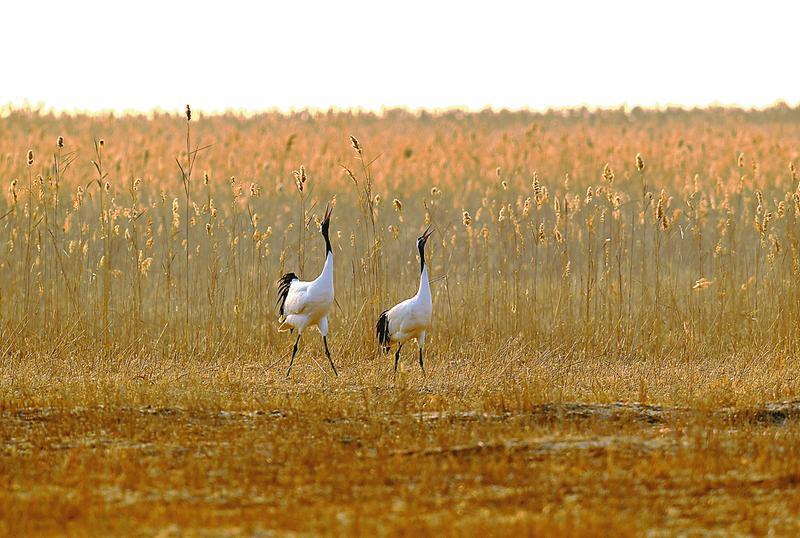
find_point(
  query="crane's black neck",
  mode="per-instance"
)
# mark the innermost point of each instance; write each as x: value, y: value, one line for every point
x: 327, y: 240
x: 421, y: 247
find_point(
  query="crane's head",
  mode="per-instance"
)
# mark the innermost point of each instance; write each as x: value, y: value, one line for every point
x: 326, y: 224
x: 421, y: 240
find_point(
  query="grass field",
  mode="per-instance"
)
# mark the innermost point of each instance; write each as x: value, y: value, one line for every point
x: 614, y: 344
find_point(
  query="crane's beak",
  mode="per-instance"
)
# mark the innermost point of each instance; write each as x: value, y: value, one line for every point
x: 328, y: 211
x: 426, y: 234
x: 326, y: 222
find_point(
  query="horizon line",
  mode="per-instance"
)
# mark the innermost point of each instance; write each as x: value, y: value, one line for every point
x: 44, y: 109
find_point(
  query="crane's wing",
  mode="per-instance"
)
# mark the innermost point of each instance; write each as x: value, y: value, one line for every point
x: 402, y: 317
x: 382, y: 330
x: 296, y: 298
x: 284, y: 283
x: 291, y: 295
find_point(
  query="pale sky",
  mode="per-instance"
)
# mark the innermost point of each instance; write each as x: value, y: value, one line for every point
x: 419, y: 54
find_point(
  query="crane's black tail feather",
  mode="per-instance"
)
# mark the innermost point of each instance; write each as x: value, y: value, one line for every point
x: 284, y: 284
x: 382, y: 331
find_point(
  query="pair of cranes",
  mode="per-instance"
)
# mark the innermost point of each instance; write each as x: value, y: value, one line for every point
x: 307, y: 304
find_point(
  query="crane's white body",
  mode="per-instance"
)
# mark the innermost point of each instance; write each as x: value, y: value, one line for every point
x: 411, y: 319
x: 308, y: 303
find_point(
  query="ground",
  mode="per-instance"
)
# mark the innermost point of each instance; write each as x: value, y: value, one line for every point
x: 566, y: 469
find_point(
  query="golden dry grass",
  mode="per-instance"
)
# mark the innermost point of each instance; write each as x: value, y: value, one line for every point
x: 142, y: 376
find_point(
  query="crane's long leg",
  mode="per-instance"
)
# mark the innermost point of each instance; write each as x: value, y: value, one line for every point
x: 397, y: 357
x: 294, y: 352
x: 420, y: 361
x: 328, y: 353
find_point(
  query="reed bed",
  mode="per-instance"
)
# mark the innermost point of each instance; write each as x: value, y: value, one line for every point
x: 638, y: 239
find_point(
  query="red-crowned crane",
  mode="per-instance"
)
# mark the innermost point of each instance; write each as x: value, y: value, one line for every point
x: 411, y: 318
x: 306, y: 304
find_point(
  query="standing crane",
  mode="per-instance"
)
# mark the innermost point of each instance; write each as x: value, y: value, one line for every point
x: 306, y: 304
x: 411, y: 318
